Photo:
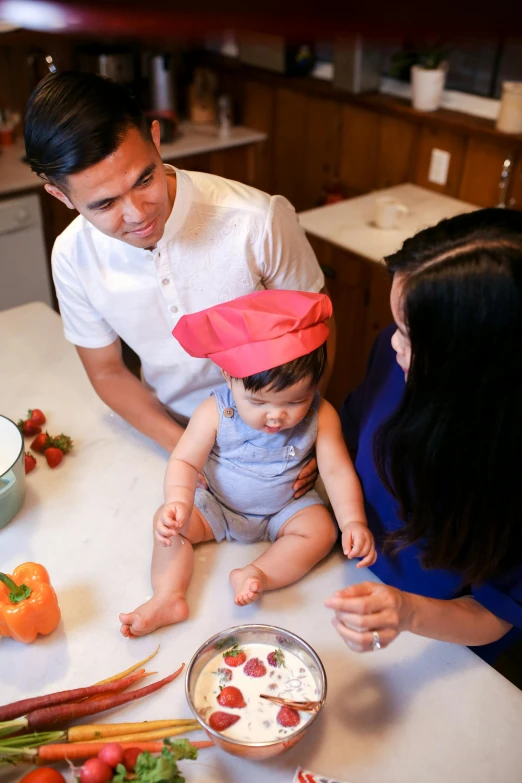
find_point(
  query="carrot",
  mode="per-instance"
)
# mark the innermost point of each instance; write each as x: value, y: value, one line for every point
x: 81, y: 750
x: 159, y: 734
x: 141, y: 672
x: 25, y: 706
x: 130, y: 670
x: 48, y: 716
x: 99, y: 731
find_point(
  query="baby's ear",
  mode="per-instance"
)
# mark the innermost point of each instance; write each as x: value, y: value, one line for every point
x: 227, y: 378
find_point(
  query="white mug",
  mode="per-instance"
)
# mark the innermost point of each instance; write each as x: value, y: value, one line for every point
x: 386, y: 212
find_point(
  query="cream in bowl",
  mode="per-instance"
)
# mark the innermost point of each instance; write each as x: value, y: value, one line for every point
x: 227, y: 676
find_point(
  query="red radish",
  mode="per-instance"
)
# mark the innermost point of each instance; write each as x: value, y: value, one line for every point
x: 130, y: 757
x: 43, y: 775
x: 95, y: 771
x: 111, y: 754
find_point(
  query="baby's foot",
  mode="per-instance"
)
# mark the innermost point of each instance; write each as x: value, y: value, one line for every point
x: 160, y: 610
x: 248, y: 583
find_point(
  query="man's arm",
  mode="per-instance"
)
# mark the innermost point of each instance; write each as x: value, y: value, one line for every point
x: 127, y: 396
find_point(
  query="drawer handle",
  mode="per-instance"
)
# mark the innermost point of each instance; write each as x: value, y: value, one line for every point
x: 329, y: 272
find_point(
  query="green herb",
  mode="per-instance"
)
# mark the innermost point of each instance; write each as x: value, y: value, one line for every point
x: 162, y: 768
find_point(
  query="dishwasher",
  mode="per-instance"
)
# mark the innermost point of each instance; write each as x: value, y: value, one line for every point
x: 24, y: 269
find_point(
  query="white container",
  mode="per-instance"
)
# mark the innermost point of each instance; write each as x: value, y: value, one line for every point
x: 510, y: 114
x: 386, y: 212
x: 12, y: 470
x: 427, y: 86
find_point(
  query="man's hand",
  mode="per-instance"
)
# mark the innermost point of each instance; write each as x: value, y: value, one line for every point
x: 358, y: 542
x: 306, y: 479
x: 169, y: 519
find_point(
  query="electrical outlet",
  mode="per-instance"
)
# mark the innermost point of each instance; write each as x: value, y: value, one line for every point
x: 439, y: 165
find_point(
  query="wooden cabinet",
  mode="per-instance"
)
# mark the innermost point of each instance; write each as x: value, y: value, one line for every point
x: 290, y: 146
x: 437, y: 138
x: 482, y: 170
x: 259, y: 113
x: 323, y: 148
x: 396, y: 154
x: 359, y: 146
x: 360, y: 294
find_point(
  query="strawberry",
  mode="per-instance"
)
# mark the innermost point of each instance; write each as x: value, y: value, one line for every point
x: 53, y: 456
x: 288, y: 717
x: 62, y: 442
x: 29, y: 462
x: 255, y: 668
x: 225, y: 675
x: 276, y: 658
x: 235, y: 656
x: 36, y: 416
x: 231, y: 697
x: 219, y: 721
x: 27, y: 427
x: 41, y: 442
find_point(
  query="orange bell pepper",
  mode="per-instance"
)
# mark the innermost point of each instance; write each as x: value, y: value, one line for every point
x: 28, y: 603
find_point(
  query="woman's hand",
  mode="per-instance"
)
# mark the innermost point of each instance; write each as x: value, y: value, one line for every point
x: 366, y: 608
x: 306, y: 479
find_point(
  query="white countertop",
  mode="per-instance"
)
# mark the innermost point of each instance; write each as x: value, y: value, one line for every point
x: 419, y: 712
x: 348, y: 224
x: 16, y: 176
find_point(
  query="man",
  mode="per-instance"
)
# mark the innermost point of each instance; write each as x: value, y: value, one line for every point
x: 150, y: 244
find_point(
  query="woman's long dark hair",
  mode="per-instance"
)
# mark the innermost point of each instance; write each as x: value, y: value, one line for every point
x: 451, y: 453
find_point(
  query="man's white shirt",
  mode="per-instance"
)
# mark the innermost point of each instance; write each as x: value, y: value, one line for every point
x: 222, y: 240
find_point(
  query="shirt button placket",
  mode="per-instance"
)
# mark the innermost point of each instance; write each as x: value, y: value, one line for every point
x: 168, y: 288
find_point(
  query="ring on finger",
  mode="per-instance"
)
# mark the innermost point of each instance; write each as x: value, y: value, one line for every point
x: 376, y: 643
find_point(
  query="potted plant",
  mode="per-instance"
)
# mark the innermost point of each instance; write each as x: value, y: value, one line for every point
x: 428, y: 68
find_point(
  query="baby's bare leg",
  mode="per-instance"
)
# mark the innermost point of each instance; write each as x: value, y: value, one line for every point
x: 171, y: 572
x: 302, y: 542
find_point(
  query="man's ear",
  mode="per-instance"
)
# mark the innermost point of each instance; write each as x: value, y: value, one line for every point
x: 60, y: 195
x: 155, y: 132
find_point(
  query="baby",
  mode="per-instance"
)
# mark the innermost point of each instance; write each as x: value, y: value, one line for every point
x: 251, y: 438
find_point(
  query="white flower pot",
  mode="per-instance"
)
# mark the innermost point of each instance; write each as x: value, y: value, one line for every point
x: 427, y: 86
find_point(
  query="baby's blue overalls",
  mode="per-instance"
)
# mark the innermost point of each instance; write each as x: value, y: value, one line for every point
x: 250, y: 475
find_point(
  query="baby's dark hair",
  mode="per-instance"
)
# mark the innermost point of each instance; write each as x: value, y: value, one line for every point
x: 312, y: 366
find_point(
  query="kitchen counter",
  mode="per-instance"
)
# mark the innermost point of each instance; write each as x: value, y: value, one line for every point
x: 348, y: 224
x: 418, y: 711
x: 16, y: 176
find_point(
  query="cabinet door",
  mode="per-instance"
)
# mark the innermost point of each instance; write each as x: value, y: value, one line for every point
x: 259, y: 113
x: 359, y: 148
x: 514, y: 200
x: 379, y: 312
x: 397, y: 151
x: 482, y: 170
x: 290, y: 146
x: 435, y: 138
x: 348, y: 282
x: 323, y: 148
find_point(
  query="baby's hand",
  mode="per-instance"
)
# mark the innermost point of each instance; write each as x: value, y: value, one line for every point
x: 169, y: 519
x: 358, y: 542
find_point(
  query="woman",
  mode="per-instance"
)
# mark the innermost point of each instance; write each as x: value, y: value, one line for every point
x: 437, y: 429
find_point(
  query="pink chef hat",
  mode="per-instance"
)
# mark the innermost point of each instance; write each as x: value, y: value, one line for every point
x: 256, y: 332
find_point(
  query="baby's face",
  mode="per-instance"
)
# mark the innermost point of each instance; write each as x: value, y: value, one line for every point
x: 272, y: 411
